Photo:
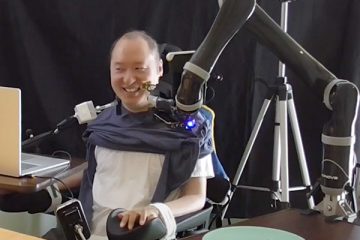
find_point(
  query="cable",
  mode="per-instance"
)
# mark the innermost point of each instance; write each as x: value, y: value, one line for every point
x: 66, y: 187
x: 60, y: 181
x: 78, y: 229
x: 67, y: 154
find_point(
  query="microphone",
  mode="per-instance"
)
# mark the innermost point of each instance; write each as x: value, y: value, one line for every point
x: 86, y: 112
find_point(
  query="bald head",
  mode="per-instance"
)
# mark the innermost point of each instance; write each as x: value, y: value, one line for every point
x: 132, y: 35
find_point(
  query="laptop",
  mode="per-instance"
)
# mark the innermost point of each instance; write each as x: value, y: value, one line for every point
x: 12, y: 161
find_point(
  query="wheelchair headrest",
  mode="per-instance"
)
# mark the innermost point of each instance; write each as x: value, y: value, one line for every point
x: 164, y: 49
x: 172, y: 69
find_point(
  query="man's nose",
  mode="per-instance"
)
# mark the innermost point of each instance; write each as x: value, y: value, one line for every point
x: 128, y: 76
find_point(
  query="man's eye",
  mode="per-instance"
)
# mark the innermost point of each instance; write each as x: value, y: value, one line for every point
x: 141, y: 69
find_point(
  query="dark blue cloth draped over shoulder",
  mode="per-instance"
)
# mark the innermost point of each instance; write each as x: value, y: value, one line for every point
x: 116, y: 128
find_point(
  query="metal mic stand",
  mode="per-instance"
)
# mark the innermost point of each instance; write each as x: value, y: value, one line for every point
x: 284, y: 104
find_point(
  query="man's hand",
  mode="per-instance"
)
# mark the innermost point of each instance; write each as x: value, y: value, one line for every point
x: 137, y: 216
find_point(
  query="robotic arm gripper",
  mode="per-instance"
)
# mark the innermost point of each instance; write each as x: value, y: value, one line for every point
x: 339, y: 96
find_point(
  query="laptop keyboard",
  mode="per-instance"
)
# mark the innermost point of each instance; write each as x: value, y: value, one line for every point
x: 25, y: 166
x: 26, y: 156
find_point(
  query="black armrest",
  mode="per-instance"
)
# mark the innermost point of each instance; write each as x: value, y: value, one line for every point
x: 154, y: 229
x: 194, y: 219
x: 151, y: 230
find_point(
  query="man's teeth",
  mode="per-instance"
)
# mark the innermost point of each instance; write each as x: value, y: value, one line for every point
x: 131, y: 90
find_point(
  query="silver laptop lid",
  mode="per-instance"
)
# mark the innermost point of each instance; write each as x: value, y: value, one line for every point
x: 10, y: 131
x: 10, y: 140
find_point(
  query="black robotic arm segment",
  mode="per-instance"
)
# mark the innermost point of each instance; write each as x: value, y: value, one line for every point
x: 269, y: 33
x: 231, y: 17
x: 338, y: 138
x: 343, y: 101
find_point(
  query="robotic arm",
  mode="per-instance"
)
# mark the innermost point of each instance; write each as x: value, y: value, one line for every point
x: 339, y: 96
x: 232, y: 15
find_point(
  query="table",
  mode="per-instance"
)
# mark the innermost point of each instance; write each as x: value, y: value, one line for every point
x: 33, y: 184
x: 310, y: 227
x: 10, y: 235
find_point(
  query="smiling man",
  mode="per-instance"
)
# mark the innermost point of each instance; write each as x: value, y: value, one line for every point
x: 135, y: 61
x: 136, y: 162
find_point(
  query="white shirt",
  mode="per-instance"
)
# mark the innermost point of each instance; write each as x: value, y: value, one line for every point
x: 128, y: 180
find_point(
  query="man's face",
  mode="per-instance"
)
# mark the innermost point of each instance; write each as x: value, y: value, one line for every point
x: 132, y: 65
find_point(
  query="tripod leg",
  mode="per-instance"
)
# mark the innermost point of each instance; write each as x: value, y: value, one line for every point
x: 299, y: 147
x: 247, y: 151
x: 280, y: 156
x: 275, y: 190
x: 284, y: 165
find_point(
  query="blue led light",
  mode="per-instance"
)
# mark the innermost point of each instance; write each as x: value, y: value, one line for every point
x: 190, y: 123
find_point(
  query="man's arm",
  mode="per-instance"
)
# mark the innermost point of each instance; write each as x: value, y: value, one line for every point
x: 192, y: 198
x: 73, y: 180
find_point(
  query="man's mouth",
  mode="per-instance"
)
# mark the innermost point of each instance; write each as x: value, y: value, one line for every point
x: 132, y: 89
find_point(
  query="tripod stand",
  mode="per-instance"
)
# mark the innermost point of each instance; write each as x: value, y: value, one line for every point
x: 284, y: 107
